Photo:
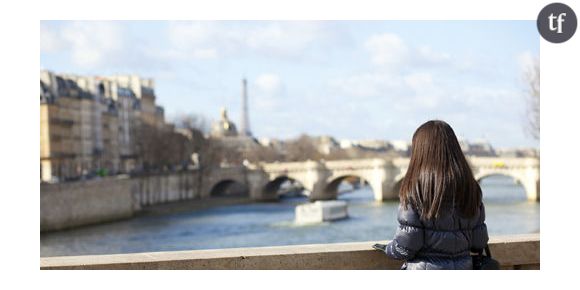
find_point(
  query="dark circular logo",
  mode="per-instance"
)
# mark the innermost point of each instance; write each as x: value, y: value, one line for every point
x: 557, y: 22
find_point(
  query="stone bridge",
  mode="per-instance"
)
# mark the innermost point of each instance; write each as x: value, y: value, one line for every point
x: 321, y: 178
x: 65, y: 205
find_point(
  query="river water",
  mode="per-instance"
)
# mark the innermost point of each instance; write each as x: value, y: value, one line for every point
x: 271, y: 224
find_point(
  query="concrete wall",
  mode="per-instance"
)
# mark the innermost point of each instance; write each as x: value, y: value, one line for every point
x: 513, y: 252
x: 67, y: 205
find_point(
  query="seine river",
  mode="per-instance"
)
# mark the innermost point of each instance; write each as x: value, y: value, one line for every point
x: 271, y: 224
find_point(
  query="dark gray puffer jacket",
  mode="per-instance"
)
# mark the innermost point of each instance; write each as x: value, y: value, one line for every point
x: 442, y: 243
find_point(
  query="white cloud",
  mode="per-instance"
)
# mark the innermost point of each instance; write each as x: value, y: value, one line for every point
x: 49, y: 40
x: 90, y: 43
x: 402, y: 73
x: 404, y: 92
x: 422, y: 93
x: 223, y: 38
x: 207, y: 53
x: 365, y: 85
x: 284, y: 38
x: 105, y: 44
x: 387, y: 49
x: 425, y: 93
x: 269, y: 83
x: 93, y: 43
x: 527, y: 60
x: 407, y: 100
x: 269, y: 89
x: 194, y: 40
x: 419, y: 81
x: 186, y: 34
x: 428, y: 55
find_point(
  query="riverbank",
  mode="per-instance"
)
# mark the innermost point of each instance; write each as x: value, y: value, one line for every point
x: 162, y: 210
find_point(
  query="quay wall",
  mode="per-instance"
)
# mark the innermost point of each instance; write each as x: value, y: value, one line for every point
x: 161, y: 188
x: 73, y: 204
x: 67, y: 205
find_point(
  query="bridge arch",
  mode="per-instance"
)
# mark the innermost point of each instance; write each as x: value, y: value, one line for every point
x: 229, y: 188
x: 519, y: 180
x: 331, y: 188
x: 529, y: 184
x: 515, y: 177
x: 272, y: 188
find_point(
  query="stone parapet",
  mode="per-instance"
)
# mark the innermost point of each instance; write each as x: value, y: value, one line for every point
x: 512, y: 252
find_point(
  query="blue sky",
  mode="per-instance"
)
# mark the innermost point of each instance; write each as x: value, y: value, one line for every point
x: 348, y: 79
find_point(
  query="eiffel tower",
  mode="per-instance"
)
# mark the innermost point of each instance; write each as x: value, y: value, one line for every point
x: 245, y: 122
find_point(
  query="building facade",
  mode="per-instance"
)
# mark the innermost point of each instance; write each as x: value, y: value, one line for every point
x: 88, y: 124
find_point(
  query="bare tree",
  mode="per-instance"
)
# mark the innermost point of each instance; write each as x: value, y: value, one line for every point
x: 211, y: 152
x: 195, y: 127
x: 161, y: 148
x: 532, y: 79
x: 301, y: 149
x: 192, y: 122
x: 148, y: 148
x: 263, y: 154
x: 338, y: 154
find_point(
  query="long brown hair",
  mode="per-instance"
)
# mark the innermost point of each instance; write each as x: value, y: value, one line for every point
x: 439, y: 174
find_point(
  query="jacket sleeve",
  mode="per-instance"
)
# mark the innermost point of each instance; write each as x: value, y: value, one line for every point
x: 409, y: 237
x: 479, y: 236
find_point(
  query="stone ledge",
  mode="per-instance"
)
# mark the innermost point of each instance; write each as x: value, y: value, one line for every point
x: 513, y: 252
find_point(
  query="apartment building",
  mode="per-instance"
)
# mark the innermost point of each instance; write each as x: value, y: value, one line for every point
x: 87, y: 124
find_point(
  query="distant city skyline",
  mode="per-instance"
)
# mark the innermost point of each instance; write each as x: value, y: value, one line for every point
x: 347, y: 79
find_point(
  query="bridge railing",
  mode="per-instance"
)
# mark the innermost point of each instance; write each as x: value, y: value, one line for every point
x: 513, y: 252
x: 504, y: 161
x: 289, y: 166
x: 401, y: 162
x: 356, y: 163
